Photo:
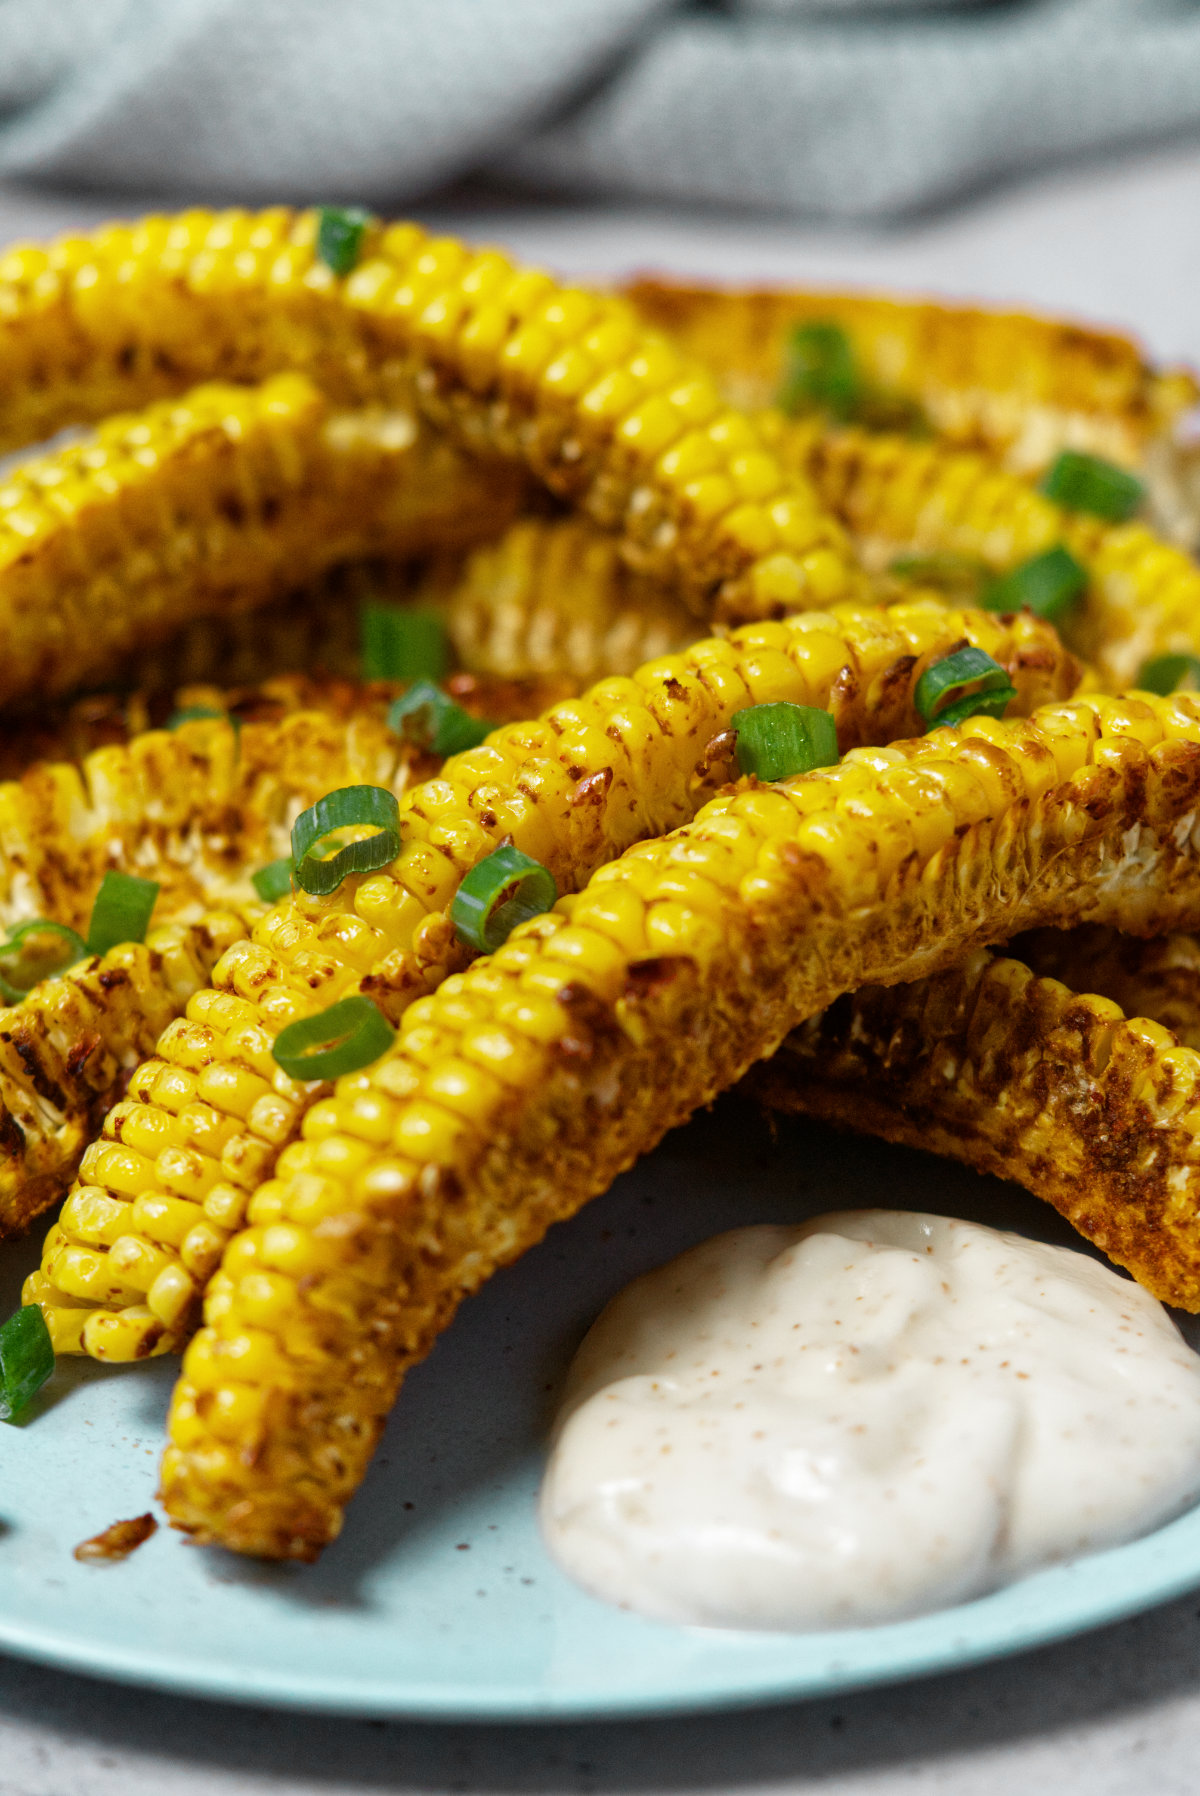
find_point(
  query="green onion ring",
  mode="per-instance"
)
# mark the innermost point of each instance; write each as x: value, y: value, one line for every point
x: 429, y: 718
x: 1080, y: 482
x: 500, y: 891
x: 348, y: 807
x: 776, y: 741
x: 199, y: 714
x: 946, y: 678
x: 26, y: 1359
x: 1166, y: 674
x: 340, y: 231
x: 75, y: 949
x: 401, y: 643
x: 122, y: 911
x: 274, y: 881
x: 820, y: 370
x: 343, y: 1039
x: 1049, y: 585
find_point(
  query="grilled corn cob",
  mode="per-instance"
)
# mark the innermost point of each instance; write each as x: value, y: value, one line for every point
x: 1020, y: 386
x: 524, y: 1085
x: 609, y: 414
x: 1158, y: 979
x: 1143, y: 596
x: 556, y: 597
x: 628, y: 760
x: 1096, y: 1112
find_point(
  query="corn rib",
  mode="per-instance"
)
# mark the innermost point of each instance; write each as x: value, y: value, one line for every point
x: 554, y: 596
x: 1143, y: 596
x: 197, y: 809
x: 1158, y: 979
x: 628, y: 760
x: 1095, y: 1112
x: 209, y: 504
x: 524, y: 1085
x: 610, y: 415
x: 1020, y: 386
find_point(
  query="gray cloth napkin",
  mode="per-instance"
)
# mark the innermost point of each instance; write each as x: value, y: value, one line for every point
x: 841, y: 108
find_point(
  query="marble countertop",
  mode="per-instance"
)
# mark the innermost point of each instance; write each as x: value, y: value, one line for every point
x: 1115, y: 1713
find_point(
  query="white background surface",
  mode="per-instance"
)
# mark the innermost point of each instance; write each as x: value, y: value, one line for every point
x: 1114, y: 1714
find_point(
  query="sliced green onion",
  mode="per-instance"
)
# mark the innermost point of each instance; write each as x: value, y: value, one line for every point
x: 195, y: 713
x: 951, y: 573
x: 1167, y: 673
x: 340, y: 231
x: 26, y: 1360
x: 776, y: 741
x: 428, y: 717
x: 122, y: 911
x: 820, y: 371
x: 343, y: 1039
x: 498, y: 893
x: 351, y: 807
x: 1081, y: 482
x: 941, y: 695
x: 21, y: 970
x: 399, y: 643
x: 274, y: 881
x: 1048, y: 585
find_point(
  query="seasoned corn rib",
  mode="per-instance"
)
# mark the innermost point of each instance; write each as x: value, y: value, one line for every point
x: 1093, y: 1111
x: 211, y: 503
x: 197, y: 809
x: 607, y: 413
x: 629, y: 759
x: 1016, y: 384
x: 523, y: 1086
x: 555, y: 596
x: 67, y: 1049
x: 1143, y: 596
x: 1159, y: 979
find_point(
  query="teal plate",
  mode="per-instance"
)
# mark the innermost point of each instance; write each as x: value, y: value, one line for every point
x: 439, y: 1600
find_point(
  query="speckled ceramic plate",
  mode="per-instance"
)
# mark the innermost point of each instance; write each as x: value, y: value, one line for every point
x: 439, y: 1599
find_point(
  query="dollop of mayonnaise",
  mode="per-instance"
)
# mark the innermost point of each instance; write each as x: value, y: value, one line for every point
x: 861, y: 1419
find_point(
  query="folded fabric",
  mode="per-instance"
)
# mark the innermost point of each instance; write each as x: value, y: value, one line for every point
x: 850, y: 108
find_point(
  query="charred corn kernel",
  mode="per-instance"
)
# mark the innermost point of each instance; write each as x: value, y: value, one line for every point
x: 592, y: 776
x: 232, y: 494
x: 778, y: 919
x: 130, y: 1335
x: 505, y: 359
x: 989, y: 1063
x: 1021, y: 387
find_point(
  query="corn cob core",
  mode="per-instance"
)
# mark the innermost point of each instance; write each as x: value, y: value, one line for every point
x: 208, y: 504
x: 629, y: 759
x: 524, y: 1085
x: 609, y: 414
x: 1158, y: 979
x: 1143, y: 597
x: 1096, y: 1113
x: 1018, y: 385
x: 555, y: 596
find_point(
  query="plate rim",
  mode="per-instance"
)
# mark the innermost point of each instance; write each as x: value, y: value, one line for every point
x: 1095, y: 1604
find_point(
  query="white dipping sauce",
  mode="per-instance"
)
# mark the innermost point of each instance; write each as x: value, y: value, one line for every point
x: 870, y: 1416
